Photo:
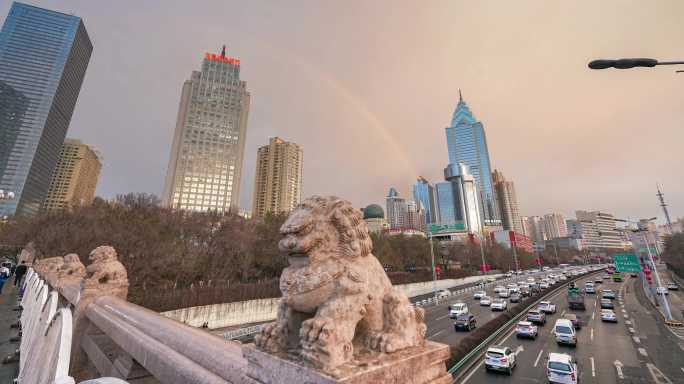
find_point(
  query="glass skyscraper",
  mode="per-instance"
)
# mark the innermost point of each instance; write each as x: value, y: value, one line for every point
x: 209, y: 139
x: 466, y: 143
x: 424, y: 192
x: 43, y: 59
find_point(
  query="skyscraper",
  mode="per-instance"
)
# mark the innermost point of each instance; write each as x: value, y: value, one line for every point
x: 278, y: 179
x: 466, y: 197
x: 397, y: 210
x: 507, y: 200
x: 424, y: 193
x: 75, y: 178
x: 466, y: 143
x: 43, y: 59
x: 533, y: 227
x: 597, y: 230
x: 554, y: 226
x: 209, y: 140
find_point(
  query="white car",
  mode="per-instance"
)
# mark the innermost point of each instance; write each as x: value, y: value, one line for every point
x: 562, y: 278
x: 498, y: 288
x: 543, y: 285
x: 442, y: 293
x: 504, y: 293
x: 457, y: 309
x: 561, y: 368
x: 607, y: 315
x: 564, y: 332
x: 498, y: 305
x: 662, y: 291
x: 486, y: 301
x: 547, y: 307
x: 500, y: 358
x: 479, y: 294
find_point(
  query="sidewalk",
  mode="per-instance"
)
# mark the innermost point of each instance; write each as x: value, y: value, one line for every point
x: 8, y: 300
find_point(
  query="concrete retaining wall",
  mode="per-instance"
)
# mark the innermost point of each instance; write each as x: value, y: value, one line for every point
x: 260, y: 310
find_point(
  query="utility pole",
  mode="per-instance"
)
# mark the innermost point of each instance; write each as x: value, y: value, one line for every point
x: 664, y: 206
x: 555, y: 249
x: 434, y: 272
x: 661, y: 295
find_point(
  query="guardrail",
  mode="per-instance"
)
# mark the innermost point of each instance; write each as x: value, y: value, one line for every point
x: 472, y: 357
x: 76, y: 325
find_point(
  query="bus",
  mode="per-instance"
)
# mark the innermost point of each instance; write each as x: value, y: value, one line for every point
x: 617, y: 277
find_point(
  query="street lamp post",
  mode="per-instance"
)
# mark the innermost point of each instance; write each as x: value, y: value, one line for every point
x: 630, y: 63
x: 434, y: 271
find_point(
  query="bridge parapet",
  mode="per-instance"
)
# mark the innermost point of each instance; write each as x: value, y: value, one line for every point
x: 77, y: 325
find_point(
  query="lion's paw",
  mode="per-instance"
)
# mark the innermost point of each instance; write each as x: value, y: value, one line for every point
x: 321, y: 343
x: 389, y: 342
x: 272, y: 338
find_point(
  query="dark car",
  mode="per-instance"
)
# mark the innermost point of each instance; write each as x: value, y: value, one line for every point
x: 465, y: 322
x: 607, y: 304
x: 576, y: 322
x: 515, y: 297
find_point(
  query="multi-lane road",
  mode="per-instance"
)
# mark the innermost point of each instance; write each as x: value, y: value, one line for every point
x: 638, y: 349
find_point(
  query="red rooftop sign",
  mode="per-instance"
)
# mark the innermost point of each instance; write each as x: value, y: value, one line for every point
x: 221, y: 59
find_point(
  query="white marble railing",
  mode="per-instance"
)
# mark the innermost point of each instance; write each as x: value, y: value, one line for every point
x: 47, y: 327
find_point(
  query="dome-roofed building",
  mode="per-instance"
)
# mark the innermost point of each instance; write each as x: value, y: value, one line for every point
x: 374, y: 216
x: 373, y: 211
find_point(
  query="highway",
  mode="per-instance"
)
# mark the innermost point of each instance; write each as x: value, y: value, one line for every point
x: 638, y: 349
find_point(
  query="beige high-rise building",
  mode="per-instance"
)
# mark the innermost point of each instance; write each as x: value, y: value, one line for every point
x: 508, y: 203
x: 205, y: 165
x: 278, y: 180
x: 555, y: 226
x: 75, y: 178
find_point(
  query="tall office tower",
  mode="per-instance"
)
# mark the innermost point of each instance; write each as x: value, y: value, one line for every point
x: 533, y: 227
x: 397, y: 210
x: 457, y: 199
x: 209, y: 140
x: 424, y: 193
x: 467, y: 143
x: 554, y: 226
x: 43, y: 59
x: 598, y: 230
x: 278, y: 179
x: 507, y: 200
x: 415, y: 215
x: 75, y: 178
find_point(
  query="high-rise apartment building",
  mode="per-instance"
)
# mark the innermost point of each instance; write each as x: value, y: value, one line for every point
x: 43, y: 59
x: 397, y: 210
x: 467, y: 143
x: 507, y: 200
x: 278, y: 179
x: 415, y: 216
x: 533, y: 227
x: 554, y: 226
x: 205, y: 165
x: 597, y: 230
x: 75, y: 178
x: 424, y: 193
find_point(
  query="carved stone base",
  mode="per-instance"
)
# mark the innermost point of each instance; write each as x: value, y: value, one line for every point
x: 417, y: 365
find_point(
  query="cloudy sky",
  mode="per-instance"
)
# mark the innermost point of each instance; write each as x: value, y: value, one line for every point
x: 367, y: 88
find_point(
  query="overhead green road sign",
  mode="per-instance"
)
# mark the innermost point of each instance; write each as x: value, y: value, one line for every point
x: 626, y: 262
x: 436, y: 228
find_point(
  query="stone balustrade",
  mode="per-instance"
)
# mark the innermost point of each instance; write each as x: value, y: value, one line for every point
x: 78, y: 327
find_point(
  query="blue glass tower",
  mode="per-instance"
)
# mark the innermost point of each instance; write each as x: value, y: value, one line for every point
x: 43, y: 59
x: 467, y: 143
x: 424, y: 192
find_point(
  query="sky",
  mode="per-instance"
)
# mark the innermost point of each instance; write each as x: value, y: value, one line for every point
x: 368, y: 87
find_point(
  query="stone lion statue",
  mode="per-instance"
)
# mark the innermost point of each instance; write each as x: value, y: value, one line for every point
x: 106, y: 273
x: 47, y: 268
x: 71, y: 271
x: 337, y: 299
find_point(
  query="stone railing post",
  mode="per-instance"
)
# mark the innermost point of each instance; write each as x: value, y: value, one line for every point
x: 105, y: 276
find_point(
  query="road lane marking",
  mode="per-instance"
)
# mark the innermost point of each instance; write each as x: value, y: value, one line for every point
x: 435, y: 334
x: 658, y: 376
x: 626, y: 316
x: 628, y: 322
x: 442, y: 317
x: 593, y: 315
x: 538, y: 357
x: 593, y: 368
x: 643, y: 352
x: 592, y: 334
x: 631, y: 330
x: 636, y: 339
x: 477, y: 368
x: 563, y: 313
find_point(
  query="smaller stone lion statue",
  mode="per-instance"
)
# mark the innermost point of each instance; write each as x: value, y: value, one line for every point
x: 106, y: 272
x: 47, y: 268
x: 72, y: 271
x: 337, y: 299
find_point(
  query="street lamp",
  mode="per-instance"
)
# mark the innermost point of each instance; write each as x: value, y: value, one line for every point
x: 481, y: 241
x: 630, y: 63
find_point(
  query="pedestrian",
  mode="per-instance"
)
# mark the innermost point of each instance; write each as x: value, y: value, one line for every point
x: 4, y: 275
x: 20, y: 272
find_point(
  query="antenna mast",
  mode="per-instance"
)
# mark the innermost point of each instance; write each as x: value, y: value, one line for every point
x: 662, y: 204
